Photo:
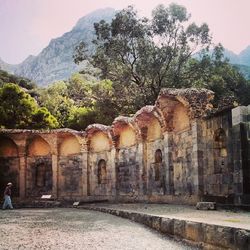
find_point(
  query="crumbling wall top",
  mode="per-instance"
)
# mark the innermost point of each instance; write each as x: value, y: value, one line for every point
x: 197, y: 101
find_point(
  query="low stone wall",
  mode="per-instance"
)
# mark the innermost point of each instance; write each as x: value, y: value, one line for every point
x: 206, y: 236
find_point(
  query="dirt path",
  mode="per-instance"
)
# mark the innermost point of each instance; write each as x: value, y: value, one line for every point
x: 76, y: 229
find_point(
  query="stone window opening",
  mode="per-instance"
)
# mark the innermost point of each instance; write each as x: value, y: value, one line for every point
x: 158, y: 162
x: 102, y: 172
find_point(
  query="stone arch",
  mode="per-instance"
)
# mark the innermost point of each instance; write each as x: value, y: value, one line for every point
x: 124, y: 133
x: 180, y: 118
x: 99, y: 138
x: 101, y: 172
x: 8, y: 148
x: 69, y: 146
x: 99, y: 141
x: 220, y: 150
x: 149, y: 122
x: 9, y: 164
x: 37, y: 146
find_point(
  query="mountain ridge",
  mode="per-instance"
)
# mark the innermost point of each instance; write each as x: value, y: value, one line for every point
x: 55, y: 61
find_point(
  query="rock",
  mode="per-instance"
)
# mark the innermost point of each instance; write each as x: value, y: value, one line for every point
x: 206, y: 206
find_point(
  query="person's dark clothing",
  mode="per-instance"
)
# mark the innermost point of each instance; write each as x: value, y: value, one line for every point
x: 7, y: 191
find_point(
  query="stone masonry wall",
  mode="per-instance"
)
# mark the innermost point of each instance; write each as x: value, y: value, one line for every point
x: 170, y: 152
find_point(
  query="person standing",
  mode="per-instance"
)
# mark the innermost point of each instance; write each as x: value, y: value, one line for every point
x: 7, y: 195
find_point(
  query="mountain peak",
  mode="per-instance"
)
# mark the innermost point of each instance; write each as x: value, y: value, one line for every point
x: 55, y: 62
x: 95, y: 16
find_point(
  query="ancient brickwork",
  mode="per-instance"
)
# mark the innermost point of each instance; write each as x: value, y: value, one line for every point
x: 174, y: 151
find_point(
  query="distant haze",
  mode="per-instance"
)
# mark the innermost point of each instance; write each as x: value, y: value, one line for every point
x: 27, y: 26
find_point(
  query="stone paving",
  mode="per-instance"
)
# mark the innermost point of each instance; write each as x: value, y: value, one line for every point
x: 237, y: 219
x: 73, y: 229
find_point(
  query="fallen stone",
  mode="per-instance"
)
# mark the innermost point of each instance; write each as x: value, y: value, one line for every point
x: 206, y: 206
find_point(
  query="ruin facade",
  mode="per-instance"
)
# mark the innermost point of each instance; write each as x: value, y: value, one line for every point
x: 177, y: 151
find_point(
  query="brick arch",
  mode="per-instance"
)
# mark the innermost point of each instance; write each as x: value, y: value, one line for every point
x: 38, y: 146
x: 150, y: 122
x: 176, y: 113
x: 125, y: 132
x: 8, y: 147
x: 69, y: 145
x: 99, y: 138
x: 181, y: 120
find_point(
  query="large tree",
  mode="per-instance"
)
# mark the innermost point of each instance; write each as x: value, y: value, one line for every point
x: 143, y: 55
x: 19, y: 110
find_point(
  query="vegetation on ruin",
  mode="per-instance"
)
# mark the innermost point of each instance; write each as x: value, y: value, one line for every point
x: 134, y: 57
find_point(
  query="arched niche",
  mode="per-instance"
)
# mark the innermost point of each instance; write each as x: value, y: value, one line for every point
x: 8, y: 148
x: 9, y: 164
x: 99, y: 141
x: 157, y: 165
x: 154, y: 130
x: 150, y: 121
x: 220, y: 150
x: 38, y: 147
x: 102, y: 172
x: 180, y: 118
x: 69, y: 146
x: 127, y: 137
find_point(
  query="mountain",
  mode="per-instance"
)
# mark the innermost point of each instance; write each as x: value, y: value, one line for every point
x: 55, y: 62
x: 245, y: 56
x: 7, y: 67
x: 241, y: 61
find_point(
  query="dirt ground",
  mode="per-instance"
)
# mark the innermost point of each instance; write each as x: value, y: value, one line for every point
x: 67, y: 228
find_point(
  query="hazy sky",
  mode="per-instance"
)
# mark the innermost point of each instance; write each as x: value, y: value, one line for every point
x: 27, y: 26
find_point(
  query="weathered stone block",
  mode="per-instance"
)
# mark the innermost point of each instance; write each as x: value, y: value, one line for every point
x: 206, y: 206
x: 219, y: 236
x: 179, y: 228
x: 194, y: 231
x: 242, y: 239
x: 156, y: 223
x: 167, y: 226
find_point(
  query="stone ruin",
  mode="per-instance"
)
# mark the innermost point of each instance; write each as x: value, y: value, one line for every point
x: 177, y: 151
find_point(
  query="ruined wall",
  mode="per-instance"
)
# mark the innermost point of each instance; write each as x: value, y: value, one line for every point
x: 100, y: 164
x: 241, y: 154
x: 128, y: 161
x: 217, y: 156
x: 39, y: 167
x: 170, y: 152
x: 70, y: 164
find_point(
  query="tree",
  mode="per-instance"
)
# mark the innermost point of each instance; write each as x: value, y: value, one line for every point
x: 141, y: 56
x: 42, y: 118
x: 16, y: 107
x: 19, y: 110
x: 55, y: 98
x: 214, y: 72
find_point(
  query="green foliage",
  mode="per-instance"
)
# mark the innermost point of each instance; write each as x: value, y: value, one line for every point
x: 16, y: 107
x: 215, y: 73
x: 42, y: 118
x: 55, y: 98
x: 5, y: 77
x: 81, y: 117
x: 141, y: 56
x: 19, y: 110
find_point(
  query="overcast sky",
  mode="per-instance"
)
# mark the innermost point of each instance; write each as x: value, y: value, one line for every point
x: 27, y: 26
